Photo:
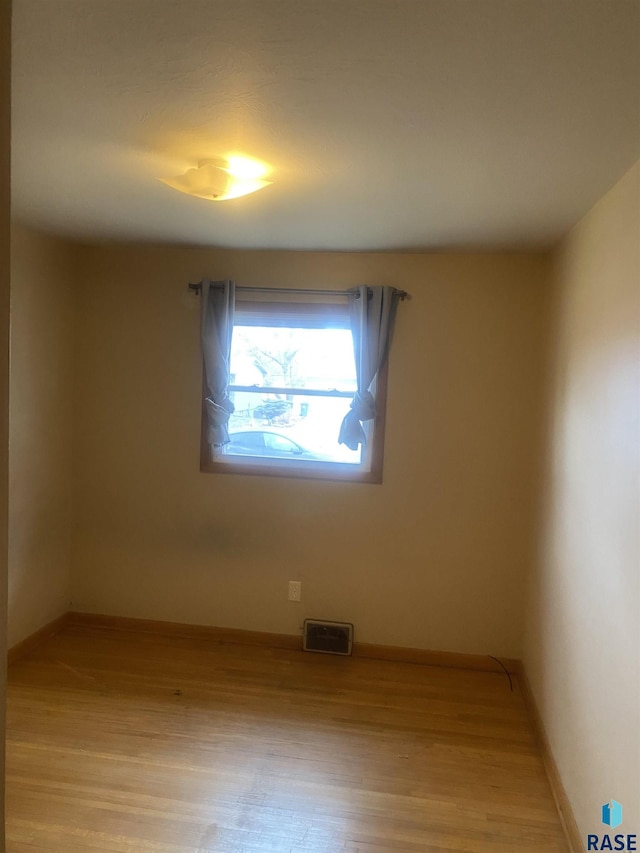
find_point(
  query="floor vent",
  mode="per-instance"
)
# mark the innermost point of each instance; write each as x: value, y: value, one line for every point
x: 331, y: 638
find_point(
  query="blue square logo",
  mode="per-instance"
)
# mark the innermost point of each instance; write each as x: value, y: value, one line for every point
x: 612, y: 814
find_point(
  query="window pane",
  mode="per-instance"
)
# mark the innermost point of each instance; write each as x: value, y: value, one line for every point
x: 267, y: 356
x: 295, y: 427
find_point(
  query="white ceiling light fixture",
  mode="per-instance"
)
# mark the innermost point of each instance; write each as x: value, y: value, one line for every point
x: 220, y: 180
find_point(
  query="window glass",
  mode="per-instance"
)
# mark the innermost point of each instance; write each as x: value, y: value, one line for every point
x: 267, y: 356
x: 291, y: 388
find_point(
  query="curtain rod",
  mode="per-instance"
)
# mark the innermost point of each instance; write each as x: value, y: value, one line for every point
x: 198, y: 287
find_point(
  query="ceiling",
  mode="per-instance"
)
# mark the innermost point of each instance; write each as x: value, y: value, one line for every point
x: 389, y: 124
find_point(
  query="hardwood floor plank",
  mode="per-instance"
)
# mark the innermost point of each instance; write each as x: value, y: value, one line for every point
x: 125, y: 743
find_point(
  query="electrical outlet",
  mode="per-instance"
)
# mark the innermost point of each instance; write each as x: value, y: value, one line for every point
x: 295, y: 590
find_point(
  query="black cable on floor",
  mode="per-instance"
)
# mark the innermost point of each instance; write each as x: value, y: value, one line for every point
x: 497, y: 660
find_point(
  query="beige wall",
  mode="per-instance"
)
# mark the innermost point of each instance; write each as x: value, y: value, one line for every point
x: 40, y: 432
x: 5, y: 205
x: 583, y: 645
x: 435, y: 557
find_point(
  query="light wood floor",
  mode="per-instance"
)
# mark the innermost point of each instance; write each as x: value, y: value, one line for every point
x: 124, y: 742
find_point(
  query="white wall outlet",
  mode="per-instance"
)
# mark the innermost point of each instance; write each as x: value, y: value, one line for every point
x: 295, y: 590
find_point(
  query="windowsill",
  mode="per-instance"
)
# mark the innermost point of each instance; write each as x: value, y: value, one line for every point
x: 294, y: 469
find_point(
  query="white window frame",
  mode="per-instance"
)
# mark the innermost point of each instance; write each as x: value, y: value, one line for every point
x: 318, y: 313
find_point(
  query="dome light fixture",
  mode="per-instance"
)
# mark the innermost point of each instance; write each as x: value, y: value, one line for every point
x: 220, y: 180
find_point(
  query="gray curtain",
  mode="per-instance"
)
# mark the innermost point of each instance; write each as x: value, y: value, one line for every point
x: 218, y: 307
x: 372, y: 313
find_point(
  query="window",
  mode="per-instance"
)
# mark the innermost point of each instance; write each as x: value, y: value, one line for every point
x: 292, y: 378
